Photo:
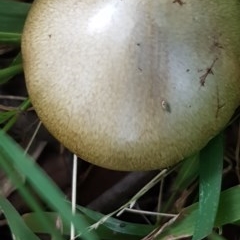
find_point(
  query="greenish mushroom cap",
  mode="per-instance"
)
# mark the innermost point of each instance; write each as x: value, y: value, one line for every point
x: 137, y: 84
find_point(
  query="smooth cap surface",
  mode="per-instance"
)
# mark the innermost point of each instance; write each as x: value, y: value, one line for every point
x: 137, y: 84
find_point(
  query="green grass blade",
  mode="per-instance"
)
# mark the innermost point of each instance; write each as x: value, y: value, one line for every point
x: 102, y: 231
x: 215, y: 236
x: 229, y: 210
x: 14, y: 68
x: 15, y: 221
x: 10, y: 38
x: 211, y: 164
x: 9, y: 72
x: 30, y: 199
x: 13, y: 117
x: 118, y: 226
x: 5, y: 116
x: 187, y: 173
x: 184, y: 225
x: 12, y: 16
x: 43, y: 185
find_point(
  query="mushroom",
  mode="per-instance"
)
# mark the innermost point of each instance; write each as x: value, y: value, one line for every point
x: 133, y: 84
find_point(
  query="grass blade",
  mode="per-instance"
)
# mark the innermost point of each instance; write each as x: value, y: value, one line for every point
x: 102, y: 231
x: 211, y: 164
x: 15, y: 221
x: 43, y: 185
x: 184, y: 225
x: 10, y: 38
x: 18, y: 181
x: 12, y: 16
x: 118, y: 226
x: 9, y: 72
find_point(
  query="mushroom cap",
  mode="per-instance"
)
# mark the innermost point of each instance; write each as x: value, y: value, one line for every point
x: 133, y: 85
